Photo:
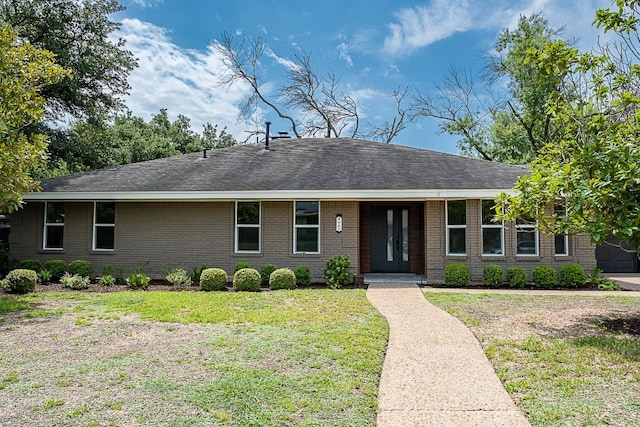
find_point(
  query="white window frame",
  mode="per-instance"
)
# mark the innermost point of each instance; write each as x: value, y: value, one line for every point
x: 450, y: 227
x: 487, y: 226
x: 238, y: 226
x: 296, y: 227
x: 45, y: 235
x: 524, y: 228
x: 105, y: 225
x: 565, y: 235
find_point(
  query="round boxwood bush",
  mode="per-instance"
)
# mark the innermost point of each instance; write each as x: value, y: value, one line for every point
x: 282, y: 278
x: 493, y: 275
x: 247, y: 279
x: 21, y: 281
x: 265, y: 273
x: 303, y: 275
x: 572, y: 276
x: 80, y: 268
x: 213, y: 279
x: 456, y: 274
x: 30, y: 264
x: 56, y: 267
x: 544, y: 277
x: 516, y: 277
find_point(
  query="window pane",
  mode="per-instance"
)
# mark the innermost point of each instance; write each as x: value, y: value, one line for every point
x: 492, y: 241
x: 105, y: 213
x: 457, y: 243
x: 526, y: 243
x: 105, y: 237
x: 249, y: 239
x: 248, y: 213
x: 307, y: 213
x: 54, y: 237
x: 488, y: 213
x: 561, y: 244
x: 55, y: 213
x: 405, y: 235
x: 307, y: 240
x: 456, y: 212
x: 389, y: 235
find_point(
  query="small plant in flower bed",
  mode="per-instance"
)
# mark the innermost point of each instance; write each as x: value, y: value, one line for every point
x: 44, y: 277
x: 178, y: 277
x: 116, y: 273
x: 74, y: 281
x: 80, y: 268
x: 603, y: 283
x: 21, y: 281
x: 30, y: 264
x: 240, y: 265
x: 493, y: 276
x: 265, y: 273
x: 138, y: 280
x: 197, y: 273
x: 572, y: 276
x: 456, y: 274
x: 303, y: 275
x: 337, y: 273
x: 57, y: 267
x: 282, y: 278
x: 107, y: 280
x: 247, y: 279
x: 516, y: 277
x: 213, y: 279
x: 544, y: 277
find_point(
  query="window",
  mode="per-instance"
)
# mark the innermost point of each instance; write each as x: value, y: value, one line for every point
x: 456, y: 227
x: 492, y: 231
x: 526, y: 237
x: 104, y: 226
x: 248, y: 227
x: 306, y: 228
x: 53, y: 225
x: 561, y: 240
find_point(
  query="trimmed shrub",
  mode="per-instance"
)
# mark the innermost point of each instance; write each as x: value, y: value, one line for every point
x: 493, y: 275
x: 74, y: 281
x: 240, y: 265
x: 282, y: 278
x: 30, y: 264
x: 81, y: 268
x: 56, y: 267
x: 516, y: 277
x: 337, y: 273
x: 544, y: 277
x: 456, y: 274
x: 303, y: 275
x: 178, y: 277
x: 572, y: 276
x: 213, y: 279
x: 265, y: 273
x: 247, y: 279
x: 21, y: 281
x: 138, y: 280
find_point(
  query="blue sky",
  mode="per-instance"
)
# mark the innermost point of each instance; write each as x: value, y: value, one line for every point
x: 372, y: 46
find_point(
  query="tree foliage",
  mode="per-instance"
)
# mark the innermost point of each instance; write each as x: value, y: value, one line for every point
x: 25, y: 71
x: 79, y: 33
x: 593, y: 165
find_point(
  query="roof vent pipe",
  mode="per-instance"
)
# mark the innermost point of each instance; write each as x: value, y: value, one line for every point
x: 266, y: 139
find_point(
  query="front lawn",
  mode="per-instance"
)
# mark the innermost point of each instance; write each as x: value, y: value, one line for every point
x: 566, y: 361
x: 304, y: 357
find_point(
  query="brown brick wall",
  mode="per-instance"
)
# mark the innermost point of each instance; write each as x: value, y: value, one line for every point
x: 156, y: 235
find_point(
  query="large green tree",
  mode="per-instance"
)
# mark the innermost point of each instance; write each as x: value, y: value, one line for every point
x: 25, y: 71
x: 592, y: 166
x: 80, y: 34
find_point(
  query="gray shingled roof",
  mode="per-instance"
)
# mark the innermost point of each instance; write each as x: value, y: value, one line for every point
x: 294, y: 164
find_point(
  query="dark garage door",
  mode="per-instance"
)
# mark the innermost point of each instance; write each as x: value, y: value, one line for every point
x: 612, y: 259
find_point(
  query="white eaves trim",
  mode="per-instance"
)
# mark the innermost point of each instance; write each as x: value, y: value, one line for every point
x: 271, y: 195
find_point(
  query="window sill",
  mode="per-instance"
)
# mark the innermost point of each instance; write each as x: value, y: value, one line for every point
x: 493, y: 257
x: 306, y: 255
x: 51, y: 251
x: 456, y: 257
x: 247, y: 255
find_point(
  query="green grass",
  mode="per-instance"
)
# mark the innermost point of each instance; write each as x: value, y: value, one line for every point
x: 580, y: 375
x: 285, y: 358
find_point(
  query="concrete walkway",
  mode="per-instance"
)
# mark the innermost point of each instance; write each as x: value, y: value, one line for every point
x: 435, y: 372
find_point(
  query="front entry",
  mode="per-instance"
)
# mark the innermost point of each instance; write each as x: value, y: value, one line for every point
x: 390, y: 240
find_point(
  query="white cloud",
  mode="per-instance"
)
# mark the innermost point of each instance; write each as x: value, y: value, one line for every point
x: 286, y: 63
x: 180, y: 80
x: 343, y: 50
